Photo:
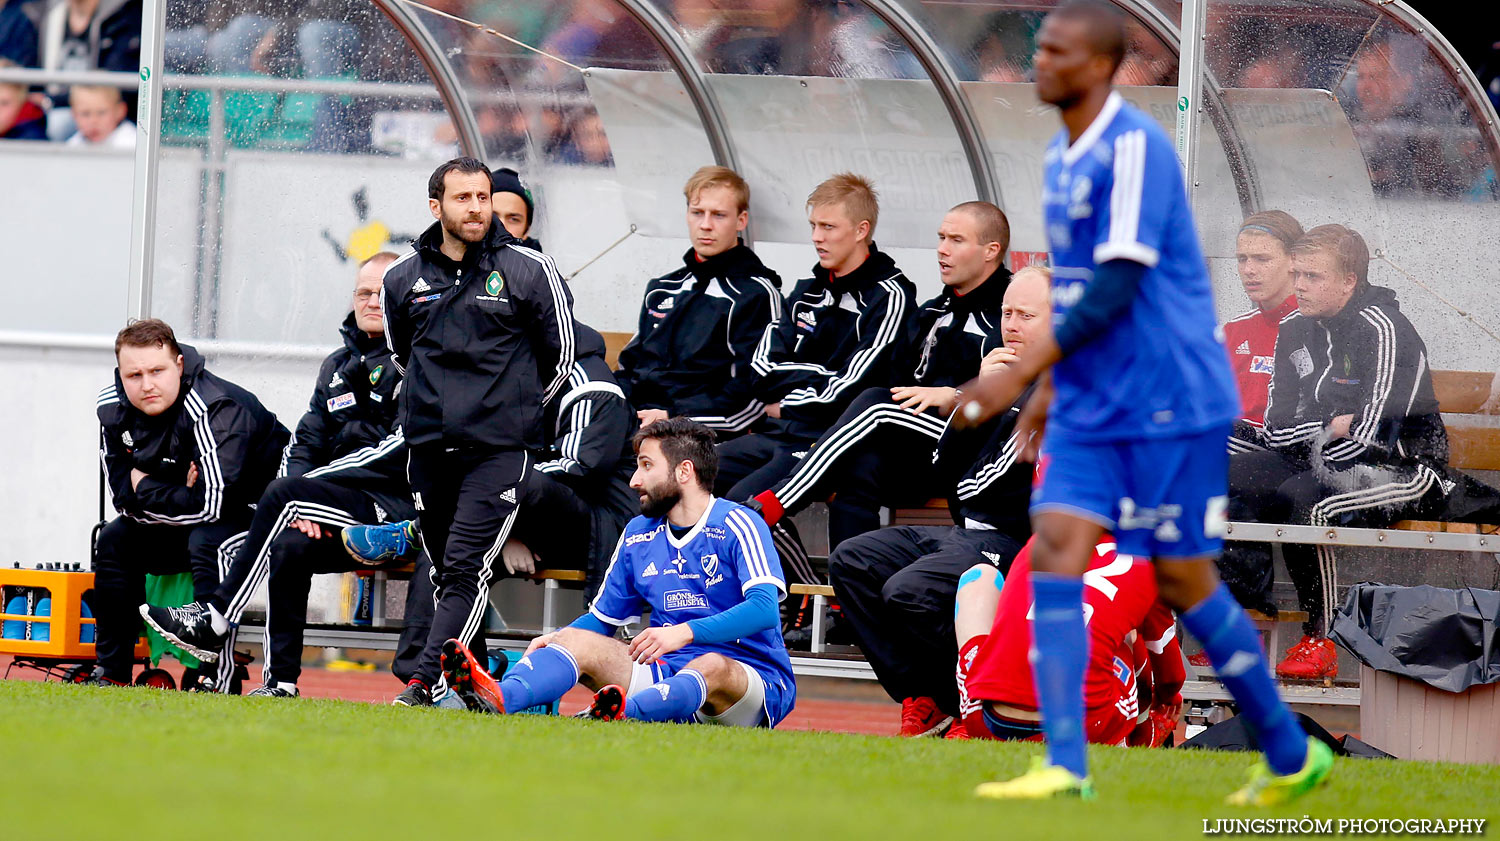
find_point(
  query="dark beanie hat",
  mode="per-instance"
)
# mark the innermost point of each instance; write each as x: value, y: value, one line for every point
x: 507, y: 180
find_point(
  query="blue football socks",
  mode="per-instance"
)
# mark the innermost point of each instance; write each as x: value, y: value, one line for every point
x: 1060, y: 653
x: 541, y: 677
x: 1233, y: 646
x: 675, y: 699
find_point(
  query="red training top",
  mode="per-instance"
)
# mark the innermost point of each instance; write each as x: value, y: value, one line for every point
x: 1119, y: 597
x: 1251, y: 339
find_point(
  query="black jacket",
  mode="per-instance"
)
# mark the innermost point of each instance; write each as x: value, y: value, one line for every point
x: 483, y: 344
x: 590, y: 427
x: 987, y: 485
x: 951, y: 333
x: 350, y: 434
x: 1367, y: 361
x: 698, y: 330
x: 236, y: 442
x: 839, y: 337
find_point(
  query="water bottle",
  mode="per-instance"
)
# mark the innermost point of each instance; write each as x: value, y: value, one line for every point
x: 42, y: 631
x: 15, y: 629
x: 86, y: 632
x: 364, y: 602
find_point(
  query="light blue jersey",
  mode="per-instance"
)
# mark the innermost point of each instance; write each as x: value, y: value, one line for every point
x: 707, y: 572
x: 1162, y: 370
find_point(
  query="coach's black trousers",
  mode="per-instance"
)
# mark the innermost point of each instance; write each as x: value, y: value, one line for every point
x: 1270, y: 487
x: 554, y: 523
x: 876, y: 454
x: 127, y: 551
x: 897, y: 588
x: 466, y: 501
x: 273, y: 550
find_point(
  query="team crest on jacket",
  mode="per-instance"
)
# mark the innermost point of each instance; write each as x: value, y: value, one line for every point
x: 375, y: 374
x: 494, y: 283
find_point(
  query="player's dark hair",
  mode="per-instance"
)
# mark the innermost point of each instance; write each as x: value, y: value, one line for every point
x: 148, y: 332
x: 1104, y: 24
x: 684, y: 439
x: 466, y: 166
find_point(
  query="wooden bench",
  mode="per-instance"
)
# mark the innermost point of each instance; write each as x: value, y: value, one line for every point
x: 551, y: 580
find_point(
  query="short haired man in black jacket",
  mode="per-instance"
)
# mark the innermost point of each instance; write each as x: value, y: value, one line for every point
x: 700, y: 323
x: 346, y: 465
x: 186, y: 455
x: 1352, y: 426
x: 482, y: 328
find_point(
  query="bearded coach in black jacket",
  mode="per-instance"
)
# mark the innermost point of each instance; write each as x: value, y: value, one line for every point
x: 482, y: 329
x: 186, y: 454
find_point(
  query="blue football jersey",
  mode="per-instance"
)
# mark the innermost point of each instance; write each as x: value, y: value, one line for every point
x: 705, y: 573
x: 1162, y: 370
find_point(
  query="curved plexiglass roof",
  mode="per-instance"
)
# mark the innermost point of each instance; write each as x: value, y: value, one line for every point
x: 1350, y: 111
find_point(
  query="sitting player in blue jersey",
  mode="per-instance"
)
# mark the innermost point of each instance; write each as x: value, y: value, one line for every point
x: 707, y: 570
x: 1137, y: 398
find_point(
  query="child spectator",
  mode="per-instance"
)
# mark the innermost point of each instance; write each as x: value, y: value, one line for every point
x: 20, y: 118
x: 100, y: 114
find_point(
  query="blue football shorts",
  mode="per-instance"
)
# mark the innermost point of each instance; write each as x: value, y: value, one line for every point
x: 1161, y: 498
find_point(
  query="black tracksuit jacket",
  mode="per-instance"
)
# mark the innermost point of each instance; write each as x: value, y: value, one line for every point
x: 699, y: 327
x: 350, y: 434
x: 952, y: 333
x: 482, y: 343
x: 986, y: 483
x: 838, y: 338
x: 591, y: 426
x: 236, y: 442
x: 1368, y: 361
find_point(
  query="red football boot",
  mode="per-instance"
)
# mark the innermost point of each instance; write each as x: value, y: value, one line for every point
x: 469, y: 680
x: 1310, y: 659
x: 608, y: 705
x: 921, y: 717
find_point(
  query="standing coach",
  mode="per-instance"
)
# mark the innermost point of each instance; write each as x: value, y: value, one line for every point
x: 482, y: 329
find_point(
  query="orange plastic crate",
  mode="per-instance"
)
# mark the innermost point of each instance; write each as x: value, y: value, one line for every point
x: 66, y: 623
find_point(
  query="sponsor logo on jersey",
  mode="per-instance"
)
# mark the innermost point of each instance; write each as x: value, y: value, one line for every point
x: 683, y: 600
x: 649, y: 571
x: 425, y: 298
x: 375, y: 374
x: 494, y: 283
x: 644, y: 537
x: 667, y: 304
x: 1346, y: 380
x: 421, y: 285
x: 509, y: 495
x: 1263, y: 365
x: 126, y: 437
x: 679, y: 562
x: 1078, y: 198
x: 338, y: 380
x: 343, y: 401
x: 1243, y: 349
x: 716, y: 532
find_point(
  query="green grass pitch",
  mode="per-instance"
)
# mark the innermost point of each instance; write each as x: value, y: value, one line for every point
x: 87, y: 763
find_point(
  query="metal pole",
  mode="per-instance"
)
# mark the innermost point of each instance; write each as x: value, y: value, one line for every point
x: 147, y: 160
x: 455, y: 98
x: 945, y: 80
x: 1190, y: 89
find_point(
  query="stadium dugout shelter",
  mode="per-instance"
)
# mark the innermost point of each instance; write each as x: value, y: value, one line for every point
x: 259, y: 181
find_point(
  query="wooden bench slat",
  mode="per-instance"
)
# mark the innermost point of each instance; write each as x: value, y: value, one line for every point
x: 810, y: 590
x: 1462, y: 392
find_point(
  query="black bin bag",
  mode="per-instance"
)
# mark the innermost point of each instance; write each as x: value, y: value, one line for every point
x: 1447, y: 639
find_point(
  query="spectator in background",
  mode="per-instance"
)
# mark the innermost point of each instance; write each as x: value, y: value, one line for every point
x: 587, y: 143
x: 1002, y: 52
x: 99, y: 112
x: 20, y: 118
x: 18, y: 32
x: 81, y: 35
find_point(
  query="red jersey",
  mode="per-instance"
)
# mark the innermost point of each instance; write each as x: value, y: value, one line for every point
x: 1119, y: 597
x: 1251, y: 339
